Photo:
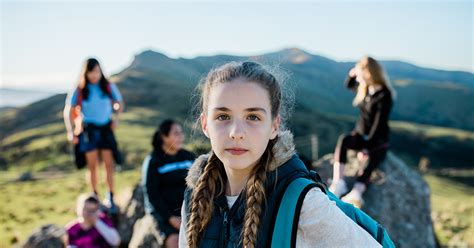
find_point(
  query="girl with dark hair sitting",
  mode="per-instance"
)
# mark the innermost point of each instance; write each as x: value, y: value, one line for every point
x: 164, y: 173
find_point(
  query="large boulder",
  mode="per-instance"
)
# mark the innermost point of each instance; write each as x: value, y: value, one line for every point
x: 136, y: 228
x: 398, y: 198
x: 146, y: 234
x: 47, y: 236
x: 132, y: 211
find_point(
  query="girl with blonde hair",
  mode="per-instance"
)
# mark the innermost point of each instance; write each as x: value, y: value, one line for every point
x: 370, y: 137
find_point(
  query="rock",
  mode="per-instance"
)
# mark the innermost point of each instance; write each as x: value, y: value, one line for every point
x: 131, y: 212
x: 146, y: 234
x: 398, y: 198
x: 3, y: 164
x: 25, y: 176
x: 47, y: 236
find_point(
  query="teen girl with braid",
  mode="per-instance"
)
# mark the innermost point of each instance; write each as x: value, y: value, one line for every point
x: 232, y: 192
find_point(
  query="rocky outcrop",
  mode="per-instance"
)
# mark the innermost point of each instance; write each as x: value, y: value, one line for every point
x: 132, y: 211
x: 136, y: 228
x: 47, y: 236
x: 146, y: 234
x: 398, y: 198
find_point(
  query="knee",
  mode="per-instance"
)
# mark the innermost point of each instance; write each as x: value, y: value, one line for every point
x: 107, y: 157
x: 92, y: 166
x: 172, y: 240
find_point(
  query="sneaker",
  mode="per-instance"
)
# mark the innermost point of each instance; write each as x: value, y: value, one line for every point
x: 110, y: 204
x: 354, y: 197
x: 338, y: 188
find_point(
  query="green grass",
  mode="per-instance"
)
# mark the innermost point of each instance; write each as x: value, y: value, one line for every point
x: 27, y: 135
x: 432, y: 131
x: 452, y: 208
x: 49, y: 200
x: 52, y: 200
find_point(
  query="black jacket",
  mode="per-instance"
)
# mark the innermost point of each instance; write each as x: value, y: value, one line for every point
x: 165, y: 182
x: 374, y: 115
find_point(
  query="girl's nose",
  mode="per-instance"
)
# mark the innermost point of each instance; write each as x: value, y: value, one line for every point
x: 237, y: 131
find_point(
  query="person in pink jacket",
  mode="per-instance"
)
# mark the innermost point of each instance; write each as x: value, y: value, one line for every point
x: 92, y: 228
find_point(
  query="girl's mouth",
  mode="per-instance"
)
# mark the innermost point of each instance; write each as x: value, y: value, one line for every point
x: 236, y: 151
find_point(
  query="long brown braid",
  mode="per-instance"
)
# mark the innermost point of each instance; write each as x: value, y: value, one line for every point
x: 255, y: 193
x: 202, y: 199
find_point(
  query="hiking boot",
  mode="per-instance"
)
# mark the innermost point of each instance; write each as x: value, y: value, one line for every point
x: 338, y: 188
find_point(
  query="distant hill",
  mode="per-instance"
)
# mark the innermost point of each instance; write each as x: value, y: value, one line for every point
x: 425, y: 96
x: 162, y: 86
x: 4, y: 109
x: 20, y: 97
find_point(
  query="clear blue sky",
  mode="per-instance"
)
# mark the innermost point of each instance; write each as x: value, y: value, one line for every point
x: 44, y: 43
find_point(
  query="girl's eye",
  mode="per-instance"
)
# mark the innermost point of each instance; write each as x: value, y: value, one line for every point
x: 253, y: 118
x: 222, y: 117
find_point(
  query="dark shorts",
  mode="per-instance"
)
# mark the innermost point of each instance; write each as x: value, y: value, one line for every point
x: 97, y: 137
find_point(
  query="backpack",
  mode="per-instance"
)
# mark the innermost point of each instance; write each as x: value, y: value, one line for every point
x: 286, y: 223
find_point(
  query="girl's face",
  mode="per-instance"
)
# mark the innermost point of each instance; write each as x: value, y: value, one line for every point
x: 95, y: 75
x: 175, y: 138
x: 90, y: 212
x: 239, y: 124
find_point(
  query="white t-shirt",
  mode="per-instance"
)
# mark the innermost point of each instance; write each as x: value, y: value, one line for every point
x: 231, y: 200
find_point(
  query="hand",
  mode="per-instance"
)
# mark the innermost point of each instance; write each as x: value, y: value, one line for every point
x: 72, y: 138
x: 91, y: 218
x: 175, y: 221
x: 77, y: 128
x: 363, y: 155
x: 88, y: 221
x: 353, y: 72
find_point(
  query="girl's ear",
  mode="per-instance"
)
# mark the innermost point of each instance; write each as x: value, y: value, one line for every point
x: 203, y: 120
x: 275, y: 127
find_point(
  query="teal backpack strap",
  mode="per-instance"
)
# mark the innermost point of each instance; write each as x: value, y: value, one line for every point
x: 363, y: 220
x: 288, y: 213
x: 290, y: 208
